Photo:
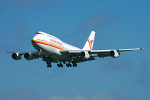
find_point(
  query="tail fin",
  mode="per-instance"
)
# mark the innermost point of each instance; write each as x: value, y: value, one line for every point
x: 89, y: 43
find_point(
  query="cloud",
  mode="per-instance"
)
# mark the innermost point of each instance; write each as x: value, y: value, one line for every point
x: 107, y: 96
x: 30, y: 95
x: 97, y: 96
x: 19, y: 95
x: 64, y: 97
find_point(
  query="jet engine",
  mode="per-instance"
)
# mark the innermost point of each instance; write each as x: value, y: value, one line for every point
x: 28, y: 56
x: 114, y: 54
x: 85, y: 54
x: 16, y: 56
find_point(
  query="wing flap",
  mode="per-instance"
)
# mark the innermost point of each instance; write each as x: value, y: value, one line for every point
x: 71, y: 52
x: 99, y: 51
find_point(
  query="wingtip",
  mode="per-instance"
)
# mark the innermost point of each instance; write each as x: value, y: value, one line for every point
x: 141, y: 48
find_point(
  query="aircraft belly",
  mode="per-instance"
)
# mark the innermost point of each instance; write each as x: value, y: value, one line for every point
x: 50, y: 51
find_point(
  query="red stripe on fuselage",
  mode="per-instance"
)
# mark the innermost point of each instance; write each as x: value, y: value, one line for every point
x: 48, y: 44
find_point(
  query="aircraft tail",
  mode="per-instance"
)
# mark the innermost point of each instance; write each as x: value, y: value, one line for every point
x: 89, y: 43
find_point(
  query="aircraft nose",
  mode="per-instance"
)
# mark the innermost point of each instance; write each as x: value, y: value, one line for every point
x: 34, y: 38
x: 34, y: 43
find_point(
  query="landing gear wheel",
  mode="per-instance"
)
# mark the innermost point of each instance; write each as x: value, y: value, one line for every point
x: 74, y: 65
x: 67, y: 65
x: 49, y: 64
x: 61, y: 65
x: 58, y: 65
x: 70, y: 65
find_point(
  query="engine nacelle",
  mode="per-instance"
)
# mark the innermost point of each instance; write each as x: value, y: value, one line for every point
x: 114, y: 54
x: 85, y: 55
x: 28, y: 56
x: 16, y: 56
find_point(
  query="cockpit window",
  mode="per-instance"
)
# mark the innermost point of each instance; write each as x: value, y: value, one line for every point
x: 42, y: 33
x: 38, y: 33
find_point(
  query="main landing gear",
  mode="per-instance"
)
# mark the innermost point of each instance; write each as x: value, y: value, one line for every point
x: 61, y: 65
x: 70, y: 65
x: 74, y: 65
x: 49, y: 64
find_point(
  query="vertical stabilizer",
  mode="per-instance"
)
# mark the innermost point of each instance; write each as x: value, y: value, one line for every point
x: 89, y: 43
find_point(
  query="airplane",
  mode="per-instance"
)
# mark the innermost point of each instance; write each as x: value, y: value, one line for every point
x: 51, y: 49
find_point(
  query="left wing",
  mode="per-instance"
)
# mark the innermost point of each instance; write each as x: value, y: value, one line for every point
x: 118, y: 50
x: 87, y: 54
x: 112, y: 53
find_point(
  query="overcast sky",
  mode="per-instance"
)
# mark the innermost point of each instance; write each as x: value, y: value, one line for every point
x: 118, y: 24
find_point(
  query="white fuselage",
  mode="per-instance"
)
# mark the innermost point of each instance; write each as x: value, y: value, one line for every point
x: 52, y: 49
x: 49, y: 45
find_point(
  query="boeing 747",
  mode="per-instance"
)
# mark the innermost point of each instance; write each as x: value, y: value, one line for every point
x: 51, y: 49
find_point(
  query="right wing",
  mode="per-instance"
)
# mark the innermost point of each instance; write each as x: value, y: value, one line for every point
x: 31, y: 56
x: 27, y: 55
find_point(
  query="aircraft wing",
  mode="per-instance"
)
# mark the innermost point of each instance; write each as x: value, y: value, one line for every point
x: 27, y: 55
x: 22, y: 53
x: 71, y: 52
x: 76, y: 55
x: 121, y: 50
x: 32, y: 55
x: 99, y: 53
x: 118, y: 50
